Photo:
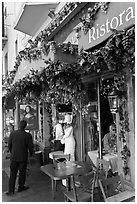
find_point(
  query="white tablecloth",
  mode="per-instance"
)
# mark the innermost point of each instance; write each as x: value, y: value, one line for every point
x: 112, y: 158
x: 57, y: 152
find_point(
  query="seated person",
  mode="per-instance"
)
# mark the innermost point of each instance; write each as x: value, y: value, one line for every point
x: 110, y: 139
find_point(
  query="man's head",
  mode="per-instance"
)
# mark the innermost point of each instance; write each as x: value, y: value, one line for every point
x: 112, y: 128
x: 56, y: 120
x: 22, y: 124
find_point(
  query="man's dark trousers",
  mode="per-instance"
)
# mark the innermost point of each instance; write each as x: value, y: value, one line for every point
x: 20, y: 144
x: 14, y: 167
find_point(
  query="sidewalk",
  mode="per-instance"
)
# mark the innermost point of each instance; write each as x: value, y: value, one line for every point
x: 40, y: 186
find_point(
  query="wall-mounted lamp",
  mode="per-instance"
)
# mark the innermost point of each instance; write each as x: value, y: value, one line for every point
x: 51, y: 13
x: 113, y: 100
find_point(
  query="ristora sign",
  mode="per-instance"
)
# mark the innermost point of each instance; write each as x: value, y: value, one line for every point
x: 117, y: 21
x: 120, y: 15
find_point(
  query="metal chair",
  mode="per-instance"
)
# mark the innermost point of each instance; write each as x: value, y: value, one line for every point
x: 58, y: 161
x: 102, y: 168
x: 83, y: 193
x: 114, y: 190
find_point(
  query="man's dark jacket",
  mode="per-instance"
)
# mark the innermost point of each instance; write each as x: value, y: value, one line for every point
x: 20, y: 142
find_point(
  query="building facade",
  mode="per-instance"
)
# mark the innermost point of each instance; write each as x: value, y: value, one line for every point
x: 93, y: 40
x: 12, y: 42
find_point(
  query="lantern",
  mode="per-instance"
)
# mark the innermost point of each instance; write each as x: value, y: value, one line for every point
x: 113, y: 101
x: 51, y: 13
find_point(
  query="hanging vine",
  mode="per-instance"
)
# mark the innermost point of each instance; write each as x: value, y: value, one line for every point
x: 49, y: 110
x: 89, y: 19
x: 119, y: 83
x: 33, y: 53
x: 65, y: 84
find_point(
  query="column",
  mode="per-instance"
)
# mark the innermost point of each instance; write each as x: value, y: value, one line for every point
x: 16, y: 115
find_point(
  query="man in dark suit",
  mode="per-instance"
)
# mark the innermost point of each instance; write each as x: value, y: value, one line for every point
x: 20, y: 142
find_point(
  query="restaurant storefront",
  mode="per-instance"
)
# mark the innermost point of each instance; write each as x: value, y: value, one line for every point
x: 102, y: 53
x: 98, y: 66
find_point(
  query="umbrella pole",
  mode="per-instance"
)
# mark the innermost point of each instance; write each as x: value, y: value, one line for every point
x: 99, y: 121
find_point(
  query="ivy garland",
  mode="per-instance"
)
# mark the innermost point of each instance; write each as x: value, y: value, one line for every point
x: 49, y: 110
x: 33, y: 53
x: 89, y: 19
x: 60, y: 82
x: 65, y: 84
x: 121, y: 87
x: 59, y: 18
x: 125, y: 154
x: 116, y: 55
x: 68, y: 48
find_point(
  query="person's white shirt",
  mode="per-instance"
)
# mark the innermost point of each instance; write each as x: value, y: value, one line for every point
x: 58, y: 131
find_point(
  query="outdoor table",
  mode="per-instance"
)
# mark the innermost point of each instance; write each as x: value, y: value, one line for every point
x: 70, y: 169
x: 111, y: 157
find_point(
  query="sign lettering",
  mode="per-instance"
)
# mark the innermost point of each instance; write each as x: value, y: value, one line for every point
x: 99, y: 31
x: 119, y: 16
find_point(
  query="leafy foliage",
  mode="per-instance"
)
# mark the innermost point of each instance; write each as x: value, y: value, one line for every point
x: 89, y: 19
x: 118, y: 54
x: 61, y: 82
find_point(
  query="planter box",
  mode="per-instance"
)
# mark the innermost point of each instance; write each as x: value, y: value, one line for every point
x: 61, y: 56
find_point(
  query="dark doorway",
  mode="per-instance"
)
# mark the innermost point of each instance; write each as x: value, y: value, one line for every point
x: 105, y: 115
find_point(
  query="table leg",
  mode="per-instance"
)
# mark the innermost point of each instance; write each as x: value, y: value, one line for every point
x: 53, y: 188
x: 68, y: 184
x: 74, y: 188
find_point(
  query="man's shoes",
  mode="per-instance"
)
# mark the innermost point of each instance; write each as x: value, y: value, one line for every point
x: 24, y: 188
x: 9, y: 193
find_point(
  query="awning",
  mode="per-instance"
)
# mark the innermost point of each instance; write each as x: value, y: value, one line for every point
x: 32, y: 17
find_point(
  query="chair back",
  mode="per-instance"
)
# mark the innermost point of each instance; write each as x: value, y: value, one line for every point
x: 111, y: 186
x: 60, y: 159
x: 102, y: 167
x: 87, y: 185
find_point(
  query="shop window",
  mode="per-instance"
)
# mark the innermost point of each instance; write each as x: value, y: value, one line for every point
x: 105, y: 113
x: 92, y: 91
x: 91, y: 134
x: 64, y: 108
x: 10, y: 103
